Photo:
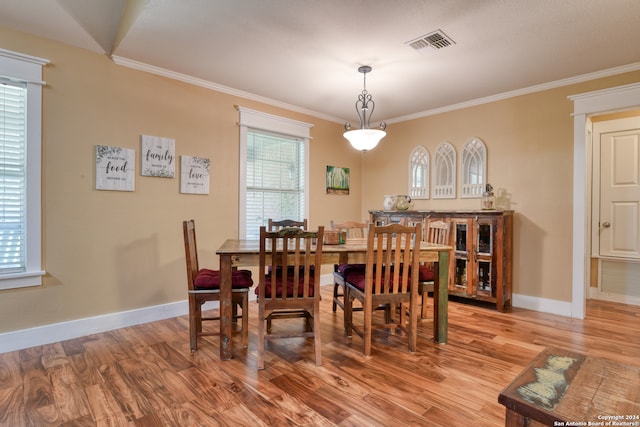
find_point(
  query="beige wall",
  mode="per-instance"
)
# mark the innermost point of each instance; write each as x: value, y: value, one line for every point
x: 107, y: 252
x: 529, y: 143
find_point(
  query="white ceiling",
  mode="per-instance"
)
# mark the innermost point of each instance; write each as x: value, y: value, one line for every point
x: 305, y: 53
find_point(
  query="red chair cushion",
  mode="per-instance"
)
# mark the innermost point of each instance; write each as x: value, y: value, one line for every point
x: 346, y: 269
x: 290, y: 270
x: 357, y: 279
x: 426, y: 274
x: 268, y: 286
x: 210, y: 279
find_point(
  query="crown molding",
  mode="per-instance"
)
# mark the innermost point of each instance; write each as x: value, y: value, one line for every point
x: 217, y: 87
x: 519, y: 92
x: 125, y: 62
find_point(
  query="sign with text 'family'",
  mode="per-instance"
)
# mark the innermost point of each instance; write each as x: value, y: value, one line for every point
x: 158, y: 156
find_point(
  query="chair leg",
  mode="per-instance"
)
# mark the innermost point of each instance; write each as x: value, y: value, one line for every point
x: 423, y: 313
x: 261, y: 326
x: 348, y: 312
x: 234, y: 313
x: 413, y: 324
x: 335, y: 295
x: 317, y: 346
x: 194, y: 316
x: 245, y: 320
x: 366, y: 327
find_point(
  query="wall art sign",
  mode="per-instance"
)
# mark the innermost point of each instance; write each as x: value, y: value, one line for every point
x: 194, y: 175
x: 337, y: 180
x: 115, y: 168
x: 158, y: 156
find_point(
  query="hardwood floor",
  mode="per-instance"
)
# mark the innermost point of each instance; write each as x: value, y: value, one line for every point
x: 146, y: 376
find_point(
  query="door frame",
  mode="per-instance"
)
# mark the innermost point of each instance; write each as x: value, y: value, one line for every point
x: 584, y: 105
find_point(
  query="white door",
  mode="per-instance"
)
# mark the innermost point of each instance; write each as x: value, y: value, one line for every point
x: 618, y: 225
x: 619, y: 191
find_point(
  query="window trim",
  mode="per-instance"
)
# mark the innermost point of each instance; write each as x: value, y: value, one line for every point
x: 252, y: 119
x: 28, y: 69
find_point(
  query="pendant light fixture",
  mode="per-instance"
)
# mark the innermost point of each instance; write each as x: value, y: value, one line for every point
x: 365, y: 138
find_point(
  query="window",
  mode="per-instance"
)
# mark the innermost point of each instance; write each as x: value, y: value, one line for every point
x: 474, y: 168
x: 419, y: 173
x: 274, y: 153
x: 20, y: 169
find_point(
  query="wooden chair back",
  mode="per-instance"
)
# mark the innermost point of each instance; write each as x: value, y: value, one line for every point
x: 438, y: 231
x: 389, y: 251
x: 390, y: 280
x: 278, y: 225
x: 292, y: 258
x: 190, y: 252
x: 354, y: 229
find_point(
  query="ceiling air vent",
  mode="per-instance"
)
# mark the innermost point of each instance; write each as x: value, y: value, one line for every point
x: 436, y: 40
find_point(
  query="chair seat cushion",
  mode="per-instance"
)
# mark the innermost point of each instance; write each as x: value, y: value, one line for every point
x: 427, y: 274
x: 290, y: 270
x: 357, y: 279
x: 210, y: 279
x: 279, y: 286
x: 346, y: 269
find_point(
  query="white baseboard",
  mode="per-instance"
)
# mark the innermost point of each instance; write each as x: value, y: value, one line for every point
x: 47, y: 334
x: 544, y: 305
x: 17, y: 340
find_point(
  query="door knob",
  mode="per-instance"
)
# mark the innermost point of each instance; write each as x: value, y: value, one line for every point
x: 606, y: 224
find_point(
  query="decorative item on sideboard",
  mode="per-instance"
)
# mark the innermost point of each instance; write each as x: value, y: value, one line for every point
x: 389, y: 202
x: 400, y: 202
x: 403, y: 202
x: 488, y: 198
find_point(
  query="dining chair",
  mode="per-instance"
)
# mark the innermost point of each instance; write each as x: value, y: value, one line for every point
x: 277, y: 225
x: 289, y: 285
x: 390, y: 280
x: 437, y: 231
x: 204, y: 285
x: 353, y: 229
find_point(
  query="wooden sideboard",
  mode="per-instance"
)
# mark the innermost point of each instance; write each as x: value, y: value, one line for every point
x: 481, y: 266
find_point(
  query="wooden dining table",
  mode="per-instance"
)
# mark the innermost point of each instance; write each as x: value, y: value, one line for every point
x: 245, y: 253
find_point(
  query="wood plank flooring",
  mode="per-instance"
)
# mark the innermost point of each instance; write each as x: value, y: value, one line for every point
x: 146, y: 376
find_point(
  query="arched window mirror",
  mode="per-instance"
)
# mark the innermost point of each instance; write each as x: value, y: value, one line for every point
x: 444, y: 172
x: 474, y: 168
x: 419, y: 173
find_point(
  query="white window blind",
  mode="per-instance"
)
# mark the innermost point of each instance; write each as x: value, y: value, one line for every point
x: 275, y: 179
x: 274, y: 168
x: 20, y: 169
x: 12, y: 177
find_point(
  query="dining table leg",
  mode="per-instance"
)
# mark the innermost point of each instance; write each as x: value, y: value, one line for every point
x: 441, y: 298
x: 226, y: 341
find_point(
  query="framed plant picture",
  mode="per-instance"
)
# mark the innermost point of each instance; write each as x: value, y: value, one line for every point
x: 115, y: 168
x: 194, y: 175
x: 337, y: 180
x: 158, y: 156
